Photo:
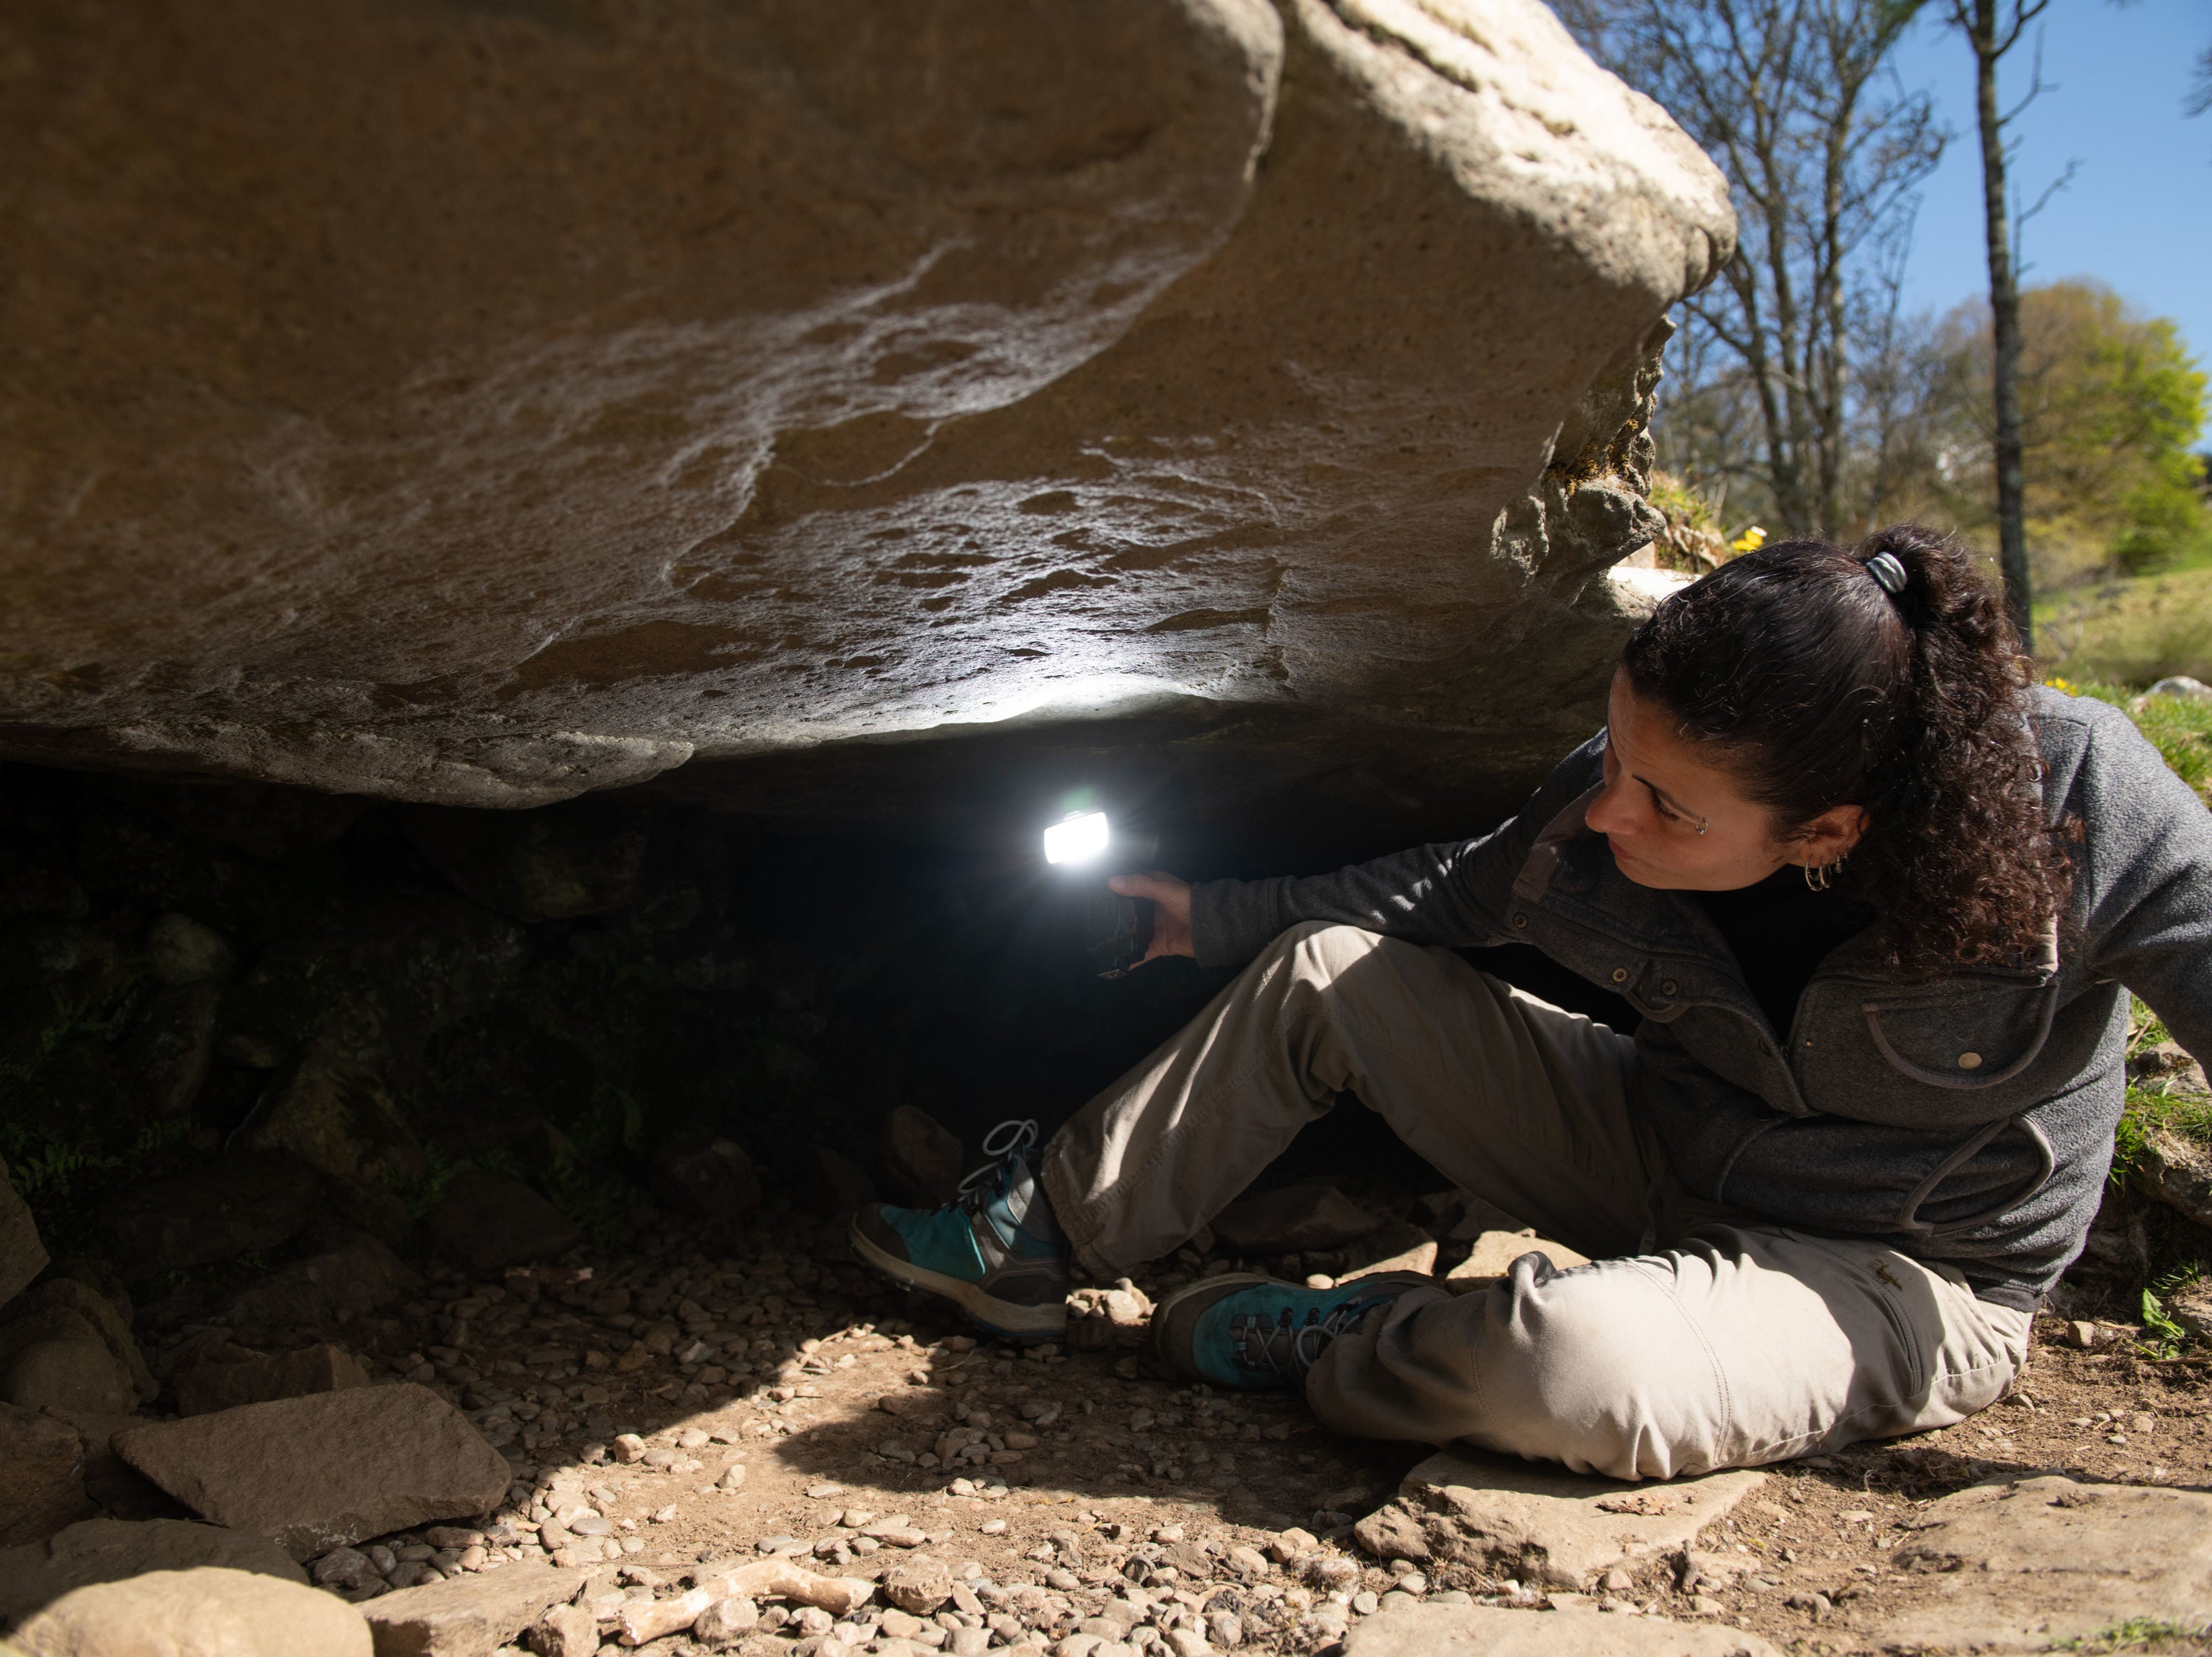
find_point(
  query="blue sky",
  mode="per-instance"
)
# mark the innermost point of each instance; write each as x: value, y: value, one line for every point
x: 2138, y: 214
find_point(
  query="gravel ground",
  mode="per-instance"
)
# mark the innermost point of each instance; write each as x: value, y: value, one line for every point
x: 711, y: 1398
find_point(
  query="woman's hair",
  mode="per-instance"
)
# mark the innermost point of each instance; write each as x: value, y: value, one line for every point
x: 1816, y: 687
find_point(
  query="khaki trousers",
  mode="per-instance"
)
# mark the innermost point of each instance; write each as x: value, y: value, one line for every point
x: 1696, y: 1339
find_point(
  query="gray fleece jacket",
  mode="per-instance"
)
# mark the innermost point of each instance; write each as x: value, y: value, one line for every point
x: 1966, y: 1119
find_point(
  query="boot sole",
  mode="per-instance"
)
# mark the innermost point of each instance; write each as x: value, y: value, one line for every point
x: 1018, y: 1323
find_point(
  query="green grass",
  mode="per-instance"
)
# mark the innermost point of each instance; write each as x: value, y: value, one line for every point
x: 2153, y: 1634
x: 2130, y: 633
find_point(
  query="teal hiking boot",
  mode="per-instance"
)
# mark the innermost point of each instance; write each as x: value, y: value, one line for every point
x: 996, y: 1252
x: 1243, y: 1330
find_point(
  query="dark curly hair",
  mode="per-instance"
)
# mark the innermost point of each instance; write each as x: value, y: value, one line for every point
x: 1816, y: 688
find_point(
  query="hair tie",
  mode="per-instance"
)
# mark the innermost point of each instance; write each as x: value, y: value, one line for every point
x: 1885, y: 568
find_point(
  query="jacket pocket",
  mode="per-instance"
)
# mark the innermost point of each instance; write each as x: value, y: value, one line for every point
x: 1963, y: 1040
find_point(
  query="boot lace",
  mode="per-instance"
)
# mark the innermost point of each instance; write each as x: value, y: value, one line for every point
x: 1285, y: 1347
x: 1005, y: 1147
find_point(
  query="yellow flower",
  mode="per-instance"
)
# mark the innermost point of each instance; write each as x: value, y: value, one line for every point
x: 1750, y: 540
x: 2066, y: 685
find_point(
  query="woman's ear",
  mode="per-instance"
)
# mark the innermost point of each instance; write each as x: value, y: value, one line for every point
x: 1831, y: 836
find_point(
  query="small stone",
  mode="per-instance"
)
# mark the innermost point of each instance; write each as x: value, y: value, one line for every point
x: 564, y: 1632
x: 727, y: 1622
x: 918, y: 1585
x: 1617, y: 1581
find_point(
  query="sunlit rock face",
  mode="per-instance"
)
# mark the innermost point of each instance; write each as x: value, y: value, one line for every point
x: 487, y: 403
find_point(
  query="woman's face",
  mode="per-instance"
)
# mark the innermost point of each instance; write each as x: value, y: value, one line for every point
x: 1659, y: 790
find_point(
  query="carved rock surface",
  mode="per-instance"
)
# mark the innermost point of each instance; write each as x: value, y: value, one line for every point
x: 1540, y: 1523
x: 1486, y: 1631
x: 2023, y: 1567
x: 483, y: 404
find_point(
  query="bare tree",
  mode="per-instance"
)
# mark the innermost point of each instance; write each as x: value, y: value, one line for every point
x: 1798, y: 101
x: 1992, y: 28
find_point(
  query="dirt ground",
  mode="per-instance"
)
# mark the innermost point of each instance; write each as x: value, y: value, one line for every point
x: 843, y: 1400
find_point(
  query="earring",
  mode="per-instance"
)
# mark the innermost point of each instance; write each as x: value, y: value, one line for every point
x: 1818, y: 877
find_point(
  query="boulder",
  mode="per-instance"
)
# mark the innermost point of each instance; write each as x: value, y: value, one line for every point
x: 226, y: 1377
x: 195, y: 1613
x: 487, y: 1222
x: 1419, y: 1630
x: 41, y: 1476
x: 171, y: 1045
x: 54, y: 1356
x: 111, y: 1550
x: 233, y: 1205
x: 358, y: 1276
x: 22, y: 1256
x: 1310, y: 1214
x: 334, y: 1114
x: 711, y: 1181
x: 74, y: 1295
x: 2177, y: 1172
x: 318, y: 1472
x: 919, y: 1161
x: 753, y: 377
x: 2027, y: 1565
x: 468, y: 1615
x: 1540, y: 1523
x: 180, y: 951
x: 2182, y: 685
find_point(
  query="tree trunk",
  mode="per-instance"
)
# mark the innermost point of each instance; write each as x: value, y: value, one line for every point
x: 2004, y: 311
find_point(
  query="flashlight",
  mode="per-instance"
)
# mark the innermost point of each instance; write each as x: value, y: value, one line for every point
x: 1116, y: 930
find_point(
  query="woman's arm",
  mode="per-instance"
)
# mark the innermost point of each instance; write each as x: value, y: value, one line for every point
x: 1452, y: 893
x: 2147, y: 861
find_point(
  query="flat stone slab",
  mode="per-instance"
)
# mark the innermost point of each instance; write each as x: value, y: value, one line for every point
x: 2020, y: 1567
x: 42, y: 1475
x: 1487, y: 1631
x: 467, y: 1616
x: 113, y: 1550
x: 1540, y: 1523
x: 318, y: 1472
x: 194, y: 1613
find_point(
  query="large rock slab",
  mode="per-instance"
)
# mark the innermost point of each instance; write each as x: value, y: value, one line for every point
x: 467, y: 1616
x: 195, y: 1613
x: 1486, y: 1631
x: 315, y: 1473
x: 1540, y: 1523
x: 2023, y: 1567
x: 42, y: 1475
x: 738, y: 377
x: 111, y: 1550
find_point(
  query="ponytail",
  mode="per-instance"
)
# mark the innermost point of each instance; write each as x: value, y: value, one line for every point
x: 1885, y: 676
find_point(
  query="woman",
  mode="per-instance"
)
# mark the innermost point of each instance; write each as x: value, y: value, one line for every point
x: 1878, y: 900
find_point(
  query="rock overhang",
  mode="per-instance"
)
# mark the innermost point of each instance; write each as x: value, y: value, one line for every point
x: 486, y: 406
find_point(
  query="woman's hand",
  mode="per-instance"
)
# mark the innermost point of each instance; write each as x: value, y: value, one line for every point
x: 1170, y: 910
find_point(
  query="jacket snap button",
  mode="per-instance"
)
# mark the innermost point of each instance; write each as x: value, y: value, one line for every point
x: 1620, y: 975
x: 1520, y: 920
x: 1969, y: 1061
x: 1667, y: 989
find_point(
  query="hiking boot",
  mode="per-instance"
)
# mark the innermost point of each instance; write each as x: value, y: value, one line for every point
x: 996, y: 1251
x: 1251, y: 1333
